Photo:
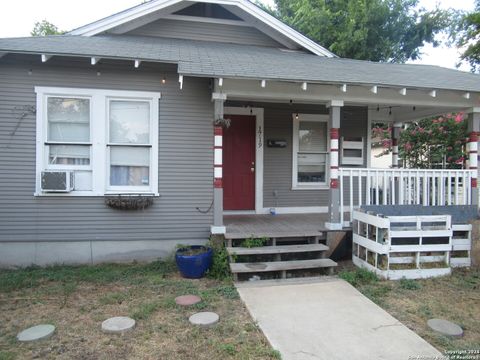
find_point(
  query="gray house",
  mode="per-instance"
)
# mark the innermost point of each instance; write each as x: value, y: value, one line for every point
x: 121, y: 113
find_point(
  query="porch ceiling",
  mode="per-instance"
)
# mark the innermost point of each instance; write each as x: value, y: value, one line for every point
x: 384, y: 103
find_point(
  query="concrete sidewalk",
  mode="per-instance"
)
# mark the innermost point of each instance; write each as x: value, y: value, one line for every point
x: 329, y: 319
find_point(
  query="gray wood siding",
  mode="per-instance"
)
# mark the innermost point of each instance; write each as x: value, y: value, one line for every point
x: 180, y: 29
x: 185, y: 157
x: 278, y: 161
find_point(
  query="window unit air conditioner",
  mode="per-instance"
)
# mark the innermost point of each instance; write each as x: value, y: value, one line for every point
x: 57, y: 181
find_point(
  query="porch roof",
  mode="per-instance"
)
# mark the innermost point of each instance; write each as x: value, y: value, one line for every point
x: 211, y: 59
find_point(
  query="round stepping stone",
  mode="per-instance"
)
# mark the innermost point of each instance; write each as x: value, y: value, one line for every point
x: 35, y: 333
x: 118, y: 325
x: 445, y: 327
x: 187, y: 300
x: 204, y: 318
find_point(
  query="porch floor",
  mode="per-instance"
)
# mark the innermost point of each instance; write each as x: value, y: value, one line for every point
x: 273, y: 226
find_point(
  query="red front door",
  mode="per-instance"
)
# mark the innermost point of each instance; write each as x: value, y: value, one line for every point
x: 239, y: 163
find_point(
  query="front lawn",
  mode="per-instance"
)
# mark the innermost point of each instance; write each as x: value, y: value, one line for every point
x: 77, y: 299
x: 455, y: 298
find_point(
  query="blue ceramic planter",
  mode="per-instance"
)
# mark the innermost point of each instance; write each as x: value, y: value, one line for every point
x: 194, y: 266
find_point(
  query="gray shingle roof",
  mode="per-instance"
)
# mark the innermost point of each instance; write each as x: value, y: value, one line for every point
x: 209, y: 59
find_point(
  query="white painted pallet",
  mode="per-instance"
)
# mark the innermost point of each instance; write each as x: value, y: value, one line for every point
x: 373, y: 237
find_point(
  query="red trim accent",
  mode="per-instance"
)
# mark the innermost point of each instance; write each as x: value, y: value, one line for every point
x: 474, y: 183
x: 218, y: 183
x: 473, y: 152
x: 394, y: 142
x: 334, y: 183
x: 334, y: 167
x: 334, y: 150
x: 473, y: 136
x: 394, y: 153
x: 472, y: 168
x: 334, y: 133
x: 218, y: 130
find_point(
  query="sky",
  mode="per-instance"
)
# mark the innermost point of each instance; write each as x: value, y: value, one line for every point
x: 18, y: 18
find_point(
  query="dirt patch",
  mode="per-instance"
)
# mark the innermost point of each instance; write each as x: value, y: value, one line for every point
x: 77, y: 303
x: 455, y: 298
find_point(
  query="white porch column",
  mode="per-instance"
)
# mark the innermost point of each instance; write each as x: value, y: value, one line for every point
x: 334, y: 192
x: 397, y: 126
x: 472, y: 147
x: 218, y: 227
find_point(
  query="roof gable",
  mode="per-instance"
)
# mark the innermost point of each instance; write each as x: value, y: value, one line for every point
x: 214, y: 11
x: 248, y: 13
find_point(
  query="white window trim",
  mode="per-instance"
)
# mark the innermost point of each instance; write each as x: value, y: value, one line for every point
x: 98, y: 119
x: 109, y: 145
x: 295, y: 146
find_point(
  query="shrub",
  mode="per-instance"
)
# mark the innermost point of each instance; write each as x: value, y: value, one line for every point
x: 220, y: 268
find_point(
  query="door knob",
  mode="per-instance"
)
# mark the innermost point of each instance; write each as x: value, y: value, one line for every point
x: 252, y: 169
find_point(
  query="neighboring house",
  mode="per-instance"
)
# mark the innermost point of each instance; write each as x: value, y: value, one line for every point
x: 127, y: 106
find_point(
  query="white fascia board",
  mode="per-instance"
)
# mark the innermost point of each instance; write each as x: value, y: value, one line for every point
x: 277, y: 25
x: 122, y: 17
x: 152, y: 6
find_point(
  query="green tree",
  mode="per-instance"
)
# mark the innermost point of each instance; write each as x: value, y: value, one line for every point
x: 376, y: 30
x: 44, y: 28
x: 467, y: 34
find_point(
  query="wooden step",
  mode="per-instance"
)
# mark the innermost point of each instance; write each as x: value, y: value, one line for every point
x: 283, y: 249
x: 238, y: 268
x: 274, y: 234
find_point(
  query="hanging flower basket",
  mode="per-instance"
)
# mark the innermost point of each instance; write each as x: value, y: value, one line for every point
x: 129, y: 202
x: 222, y: 122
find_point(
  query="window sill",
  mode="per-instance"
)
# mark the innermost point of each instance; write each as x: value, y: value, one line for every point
x: 310, y: 187
x: 92, y: 194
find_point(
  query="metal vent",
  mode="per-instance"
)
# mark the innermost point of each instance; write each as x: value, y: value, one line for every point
x: 57, y: 181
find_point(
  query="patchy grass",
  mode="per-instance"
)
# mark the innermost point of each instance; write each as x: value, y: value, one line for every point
x: 413, y: 302
x: 77, y: 299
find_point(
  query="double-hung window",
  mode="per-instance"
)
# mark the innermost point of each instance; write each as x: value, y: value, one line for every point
x: 129, y: 145
x: 107, y: 138
x: 310, y: 151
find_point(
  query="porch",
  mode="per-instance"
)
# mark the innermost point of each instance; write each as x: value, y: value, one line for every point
x: 294, y: 173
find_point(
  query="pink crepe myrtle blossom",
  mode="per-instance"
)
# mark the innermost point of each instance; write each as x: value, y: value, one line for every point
x: 408, y: 146
x: 459, y: 160
x: 459, y: 117
x: 449, y: 159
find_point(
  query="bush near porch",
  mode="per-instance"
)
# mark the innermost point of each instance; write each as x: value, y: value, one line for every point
x: 77, y: 299
x: 413, y: 302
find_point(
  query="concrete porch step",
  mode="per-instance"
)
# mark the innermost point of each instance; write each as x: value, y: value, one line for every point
x: 282, y: 249
x: 239, y: 268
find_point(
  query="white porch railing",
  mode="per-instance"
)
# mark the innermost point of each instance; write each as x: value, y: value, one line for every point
x: 363, y: 186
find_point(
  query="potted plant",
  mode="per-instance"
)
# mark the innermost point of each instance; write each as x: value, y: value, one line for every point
x: 193, y: 261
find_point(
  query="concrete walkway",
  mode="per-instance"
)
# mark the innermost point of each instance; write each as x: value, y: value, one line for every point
x: 329, y: 319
